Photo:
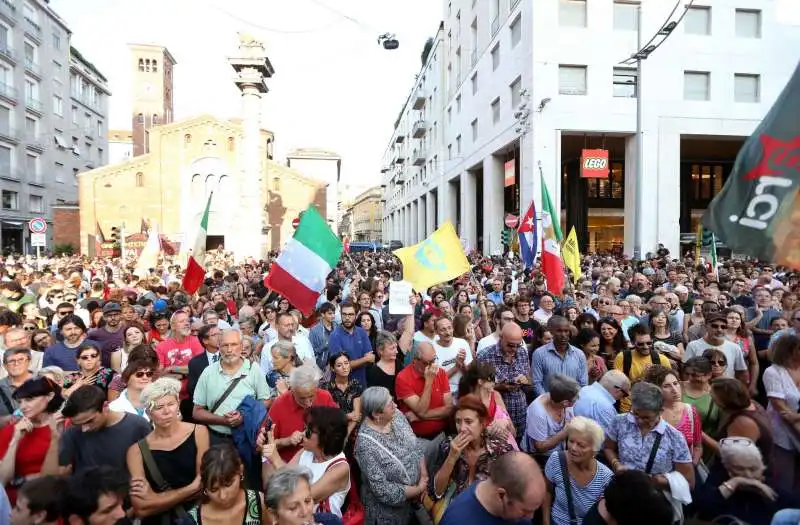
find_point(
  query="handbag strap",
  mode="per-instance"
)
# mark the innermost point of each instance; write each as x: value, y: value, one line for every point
x: 152, y: 468
x: 225, y: 394
x: 389, y: 453
x: 562, y: 459
x: 653, y: 451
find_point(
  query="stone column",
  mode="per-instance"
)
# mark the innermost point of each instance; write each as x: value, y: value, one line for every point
x: 421, y: 219
x: 430, y: 214
x: 469, y: 220
x: 493, y: 213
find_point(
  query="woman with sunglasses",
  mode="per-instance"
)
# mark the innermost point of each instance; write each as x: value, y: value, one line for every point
x: 162, y: 489
x: 719, y: 363
x: 90, y: 371
x: 322, y: 453
x: 29, y: 448
x: 137, y: 375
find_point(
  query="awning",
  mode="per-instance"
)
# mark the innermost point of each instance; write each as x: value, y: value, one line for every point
x: 11, y: 224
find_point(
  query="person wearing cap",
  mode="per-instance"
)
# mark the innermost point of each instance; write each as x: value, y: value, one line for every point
x: 109, y: 334
x: 716, y: 324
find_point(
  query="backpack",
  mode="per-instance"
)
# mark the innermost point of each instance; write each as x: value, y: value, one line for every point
x: 627, y: 360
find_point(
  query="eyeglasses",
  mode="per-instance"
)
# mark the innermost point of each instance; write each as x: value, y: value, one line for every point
x: 720, y: 362
x: 71, y: 300
x: 29, y: 328
x: 87, y: 357
x: 644, y: 344
x: 718, y: 326
x: 605, y: 303
x: 143, y: 373
x: 65, y: 313
x: 17, y: 361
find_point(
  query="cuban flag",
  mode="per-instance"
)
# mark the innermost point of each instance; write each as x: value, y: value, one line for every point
x: 528, y: 239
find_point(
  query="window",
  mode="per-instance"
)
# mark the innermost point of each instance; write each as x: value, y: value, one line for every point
x: 496, y: 57
x: 276, y: 184
x: 36, y: 204
x: 75, y: 115
x: 516, y: 31
x: 139, y: 179
x: 5, y: 160
x: 31, y: 90
x: 87, y: 122
x: 458, y: 145
x: 474, y: 127
x: 141, y: 64
x: 696, y: 85
x: 30, y: 53
x: 30, y: 127
x: 3, y: 38
x: 100, y: 155
x: 474, y: 81
x: 746, y: 88
x: 572, y: 13
x: 147, y: 65
x: 458, y: 105
x: 572, y: 80
x: 697, y: 21
x: 748, y: 23
x: 59, y: 169
x: 99, y: 129
x: 155, y: 66
x: 58, y: 105
x: 32, y: 167
x: 626, y: 16
x: 187, y: 139
x: 625, y: 82
x: 449, y: 152
x: 496, y: 110
x: 10, y: 200
x: 154, y: 118
x: 140, y: 118
x: 56, y: 41
x: 516, y: 97
x: 231, y: 144
x: 58, y: 139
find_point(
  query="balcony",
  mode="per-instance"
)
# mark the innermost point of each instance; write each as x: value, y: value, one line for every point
x: 31, y: 104
x: 419, y: 100
x: 400, y: 158
x: 401, y: 137
x: 420, y: 129
x: 495, y: 25
x: 34, y: 143
x: 8, y: 11
x: 33, y: 68
x: 8, y: 93
x: 7, y: 53
x: 419, y: 157
x: 8, y: 133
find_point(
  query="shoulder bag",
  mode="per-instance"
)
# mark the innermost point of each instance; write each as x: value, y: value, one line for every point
x: 562, y: 460
x: 653, y: 451
x: 226, y: 393
x: 161, y: 484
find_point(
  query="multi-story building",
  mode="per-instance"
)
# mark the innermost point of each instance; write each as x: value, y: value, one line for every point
x: 366, y: 213
x: 53, y: 109
x: 514, y: 91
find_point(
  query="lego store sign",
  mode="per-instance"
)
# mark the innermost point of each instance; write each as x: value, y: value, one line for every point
x: 594, y: 163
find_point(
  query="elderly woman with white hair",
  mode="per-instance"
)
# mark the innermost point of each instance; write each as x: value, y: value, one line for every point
x: 740, y: 489
x: 288, y: 499
x: 165, y: 465
x: 576, y: 480
x: 393, y: 472
x: 287, y: 412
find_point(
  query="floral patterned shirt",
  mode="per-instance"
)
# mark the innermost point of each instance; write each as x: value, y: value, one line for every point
x: 102, y: 379
x: 345, y: 398
x: 634, y: 450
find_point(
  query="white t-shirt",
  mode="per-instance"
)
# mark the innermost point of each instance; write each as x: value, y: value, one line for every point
x: 541, y: 316
x: 487, y: 342
x: 447, y: 359
x: 733, y: 354
x: 302, y: 346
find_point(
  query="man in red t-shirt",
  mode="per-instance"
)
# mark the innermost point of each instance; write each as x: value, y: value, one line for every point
x: 424, y: 393
x: 174, y: 354
x: 288, y: 411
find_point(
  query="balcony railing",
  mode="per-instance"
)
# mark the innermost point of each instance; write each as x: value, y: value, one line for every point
x: 8, y: 92
x: 419, y: 157
x: 33, y: 104
x: 419, y: 100
x: 7, y: 132
x: 34, y: 142
x: 33, y: 27
x: 33, y: 67
x: 8, y: 10
x: 7, y: 52
x: 420, y: 129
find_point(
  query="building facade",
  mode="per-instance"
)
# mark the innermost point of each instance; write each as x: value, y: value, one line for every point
x: 152, y: 93
x: 120, y: 145
x: 366, y: 214
x: 513, y: 91
x: 167, y: 189
x: 324, y: 166
x: 53, y: 112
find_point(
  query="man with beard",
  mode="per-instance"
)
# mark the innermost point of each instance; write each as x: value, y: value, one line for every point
x: 641, y: 286
x: 175, y: 352
x: 110, y: 334
x: 353, y: 341
x: 62, y: 354
x: 222, y: 387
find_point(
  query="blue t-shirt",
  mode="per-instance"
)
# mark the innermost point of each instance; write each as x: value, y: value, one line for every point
x: 465, y: 508
x: 355, y: 345
x: 62, y: 356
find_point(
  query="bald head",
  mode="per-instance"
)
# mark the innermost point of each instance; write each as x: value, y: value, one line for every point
x: 616, y: 383
x: 518, y: 476
x: 426, y: 353
x: 510, y: 338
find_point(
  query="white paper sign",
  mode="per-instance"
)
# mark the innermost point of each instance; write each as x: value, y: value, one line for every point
x: 38, y: 240
x: 399, y: 297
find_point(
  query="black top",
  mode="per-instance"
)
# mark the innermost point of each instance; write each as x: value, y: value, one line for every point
x: 178, y: 468
x: 377, y: 377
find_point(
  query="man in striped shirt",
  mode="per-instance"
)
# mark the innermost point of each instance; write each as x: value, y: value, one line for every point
x: 558, y: 357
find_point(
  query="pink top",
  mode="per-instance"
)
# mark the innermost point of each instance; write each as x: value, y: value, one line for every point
x: 692, y: 432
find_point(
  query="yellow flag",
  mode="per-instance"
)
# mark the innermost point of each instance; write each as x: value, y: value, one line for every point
x: 435, y: 260
x: 571, y: 255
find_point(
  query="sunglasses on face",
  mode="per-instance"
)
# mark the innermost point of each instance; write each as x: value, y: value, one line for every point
x: 308, y: 431
x: 87, y: 357
x: 71, y: 300
x: 29, y: 328
x: 143, y: 373
x: 644, y: 344
x: 719, y: 326
x: 65, y: 313
x: 720, y: 362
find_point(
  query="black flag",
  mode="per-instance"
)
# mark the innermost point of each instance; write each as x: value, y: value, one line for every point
x: 758, y: 210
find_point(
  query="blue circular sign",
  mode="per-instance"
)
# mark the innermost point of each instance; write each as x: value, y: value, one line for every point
x: 37, y: 225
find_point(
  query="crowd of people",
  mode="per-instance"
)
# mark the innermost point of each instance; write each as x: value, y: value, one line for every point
x: 660, y: 391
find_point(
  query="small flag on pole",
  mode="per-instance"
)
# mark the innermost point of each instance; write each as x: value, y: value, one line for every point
x: 571, y: 254
x: 196, y: 267
x: 528, y: 237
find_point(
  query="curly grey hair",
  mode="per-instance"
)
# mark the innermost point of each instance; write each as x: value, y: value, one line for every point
x: 303, y: 377
x: 159, y: 389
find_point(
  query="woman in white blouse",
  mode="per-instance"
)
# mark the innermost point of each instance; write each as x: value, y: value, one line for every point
x: 137, y: 375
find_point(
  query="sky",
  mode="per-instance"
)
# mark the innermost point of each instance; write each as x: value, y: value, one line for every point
x: 334, y: 87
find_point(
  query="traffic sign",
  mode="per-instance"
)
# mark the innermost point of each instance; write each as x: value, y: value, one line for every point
x: 295, y: 222
x: 512, y: 221
x: 38, y: 240
x: 37, y: 225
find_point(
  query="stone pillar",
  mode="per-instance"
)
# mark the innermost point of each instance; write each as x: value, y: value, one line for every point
x: 430, y: 214
x: 493, y: 213
x: 469, y: 220
x: 252, y: 69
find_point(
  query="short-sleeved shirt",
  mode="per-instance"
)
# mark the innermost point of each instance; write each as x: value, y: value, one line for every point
x: 214, y: 382
x: 107, y: 446
x: 634, y: 450
x: 780, y: 385
x: 173, y: 353
x: 356, y: 345
x: 465, y: 508
x: 63, y: 356
x: 583, y: 497
x: 596, y: 403
x: 410, y: 383
x: 547, y: 362
x: 639, y: 365
x: 447, y: 359
x: 540, y: 426
x: 288, y: 417
x: 733, y: 354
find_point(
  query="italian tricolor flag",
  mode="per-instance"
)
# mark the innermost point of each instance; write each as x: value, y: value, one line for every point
x: 196, y: 269
x: 300, y: 271
x: 552, y: 267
